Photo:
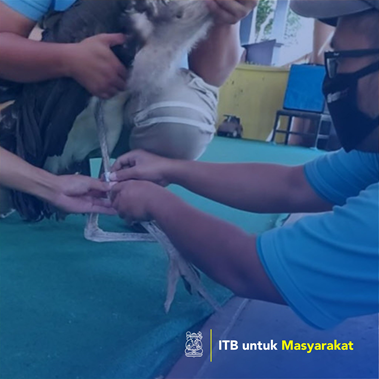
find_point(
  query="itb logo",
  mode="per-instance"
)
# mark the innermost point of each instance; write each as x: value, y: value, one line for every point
x: 194, y: 346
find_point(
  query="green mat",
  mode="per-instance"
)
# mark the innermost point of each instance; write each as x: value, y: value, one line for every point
x: 70, y: 308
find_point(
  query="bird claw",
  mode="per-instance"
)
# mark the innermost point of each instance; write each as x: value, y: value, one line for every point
x: 93, y: 233
x: 178, y: 268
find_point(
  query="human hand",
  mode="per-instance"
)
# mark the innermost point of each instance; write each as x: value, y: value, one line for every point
x: 141, y: 165
x: 93, y: 64
x: 134, y: 200
x: 80, y: 194
x: 231, y: 11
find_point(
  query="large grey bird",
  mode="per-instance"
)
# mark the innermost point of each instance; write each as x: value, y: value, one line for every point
x: 57, y: 124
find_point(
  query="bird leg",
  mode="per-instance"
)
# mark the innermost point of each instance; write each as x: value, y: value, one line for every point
x: 92, y: 232
x: 178, y: 266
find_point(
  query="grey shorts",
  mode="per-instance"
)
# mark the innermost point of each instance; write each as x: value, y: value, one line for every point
x: 180, y: 123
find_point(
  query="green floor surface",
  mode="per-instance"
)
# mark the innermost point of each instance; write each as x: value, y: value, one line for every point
x: 70, y: 308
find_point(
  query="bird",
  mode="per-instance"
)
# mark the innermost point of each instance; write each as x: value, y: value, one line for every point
x: 58, y: 124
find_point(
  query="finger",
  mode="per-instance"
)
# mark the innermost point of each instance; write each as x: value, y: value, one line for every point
x: 125, y: 174
x: 106, y: 203
x: 99, y: 194
x: 86, y: 204
x: 103, y: 206
x: 116, y: 189
x: 231, y: 6
x: 129, y: 221
x: 216, y: 10
x: 249, y: 4
x: 98, y: 186
x: 122, y: 72
x: 223, y: 17
x: 119, y: 205
x: 103, y: 210
x: 212, y: 5
x: 230, y: 11
x: 122, y: 213
x: 112, y: 39
x: 104, y: 95
x: 119, y: 71
x: 124, y: 160
x: 111, y: 92
x: 119, y: 84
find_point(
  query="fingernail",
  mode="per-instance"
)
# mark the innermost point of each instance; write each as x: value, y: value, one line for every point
x: 113, y: 176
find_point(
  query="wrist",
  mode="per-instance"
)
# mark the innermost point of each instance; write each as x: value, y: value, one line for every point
x: 174, y: 171
x: 159, y: 202
x: 66, y: 59
x: 44, y: 185
x: 224, y: 27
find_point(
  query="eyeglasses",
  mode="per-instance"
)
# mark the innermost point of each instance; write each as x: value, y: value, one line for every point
x: 332, y: 58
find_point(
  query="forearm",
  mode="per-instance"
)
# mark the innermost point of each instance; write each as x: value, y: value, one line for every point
x: 227, y: 257
x: 21, y: 176
x: 259, y: 188
x: 215, y: 58
x: 24, y: 60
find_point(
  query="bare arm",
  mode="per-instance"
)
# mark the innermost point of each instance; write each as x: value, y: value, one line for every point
x: 216, y: 57
x: 229, y: 257
x: 21, y: 176
x: 253, y: 187
x: 24, y: 60
x: 72, y: 193
x: 91, y: 62
x: 260, y: 188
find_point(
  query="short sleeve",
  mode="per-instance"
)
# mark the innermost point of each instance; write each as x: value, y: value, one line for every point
x: 36, y: 9
x: 327, y: 266
x: 62, y: 5
x: 32, y: 9
x: 340, y: 175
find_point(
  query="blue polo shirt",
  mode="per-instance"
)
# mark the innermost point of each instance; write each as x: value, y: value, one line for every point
x: 35, y: 9
x: 327, y: 266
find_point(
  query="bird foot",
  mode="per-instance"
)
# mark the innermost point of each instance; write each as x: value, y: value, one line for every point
x: 179, y: 268
x: 7, y: 213
x: 98, y: 235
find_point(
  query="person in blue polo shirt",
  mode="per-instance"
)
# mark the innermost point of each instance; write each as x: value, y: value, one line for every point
x: 325, y: 267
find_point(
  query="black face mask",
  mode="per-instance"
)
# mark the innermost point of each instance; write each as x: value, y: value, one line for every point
x: 352, y: 125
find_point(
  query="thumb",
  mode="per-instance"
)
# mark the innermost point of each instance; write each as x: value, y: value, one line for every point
x: 128, y: 159
x: 113, y: 39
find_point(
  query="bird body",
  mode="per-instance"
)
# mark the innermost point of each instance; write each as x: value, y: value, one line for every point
x: 178, y: 28
x: 52, y: 124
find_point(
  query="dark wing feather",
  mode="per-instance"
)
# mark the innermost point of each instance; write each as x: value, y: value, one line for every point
x: 9, y: 90
x: 57, y: 125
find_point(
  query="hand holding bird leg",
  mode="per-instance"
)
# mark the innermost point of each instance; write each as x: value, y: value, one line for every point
x: 134, y: 201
